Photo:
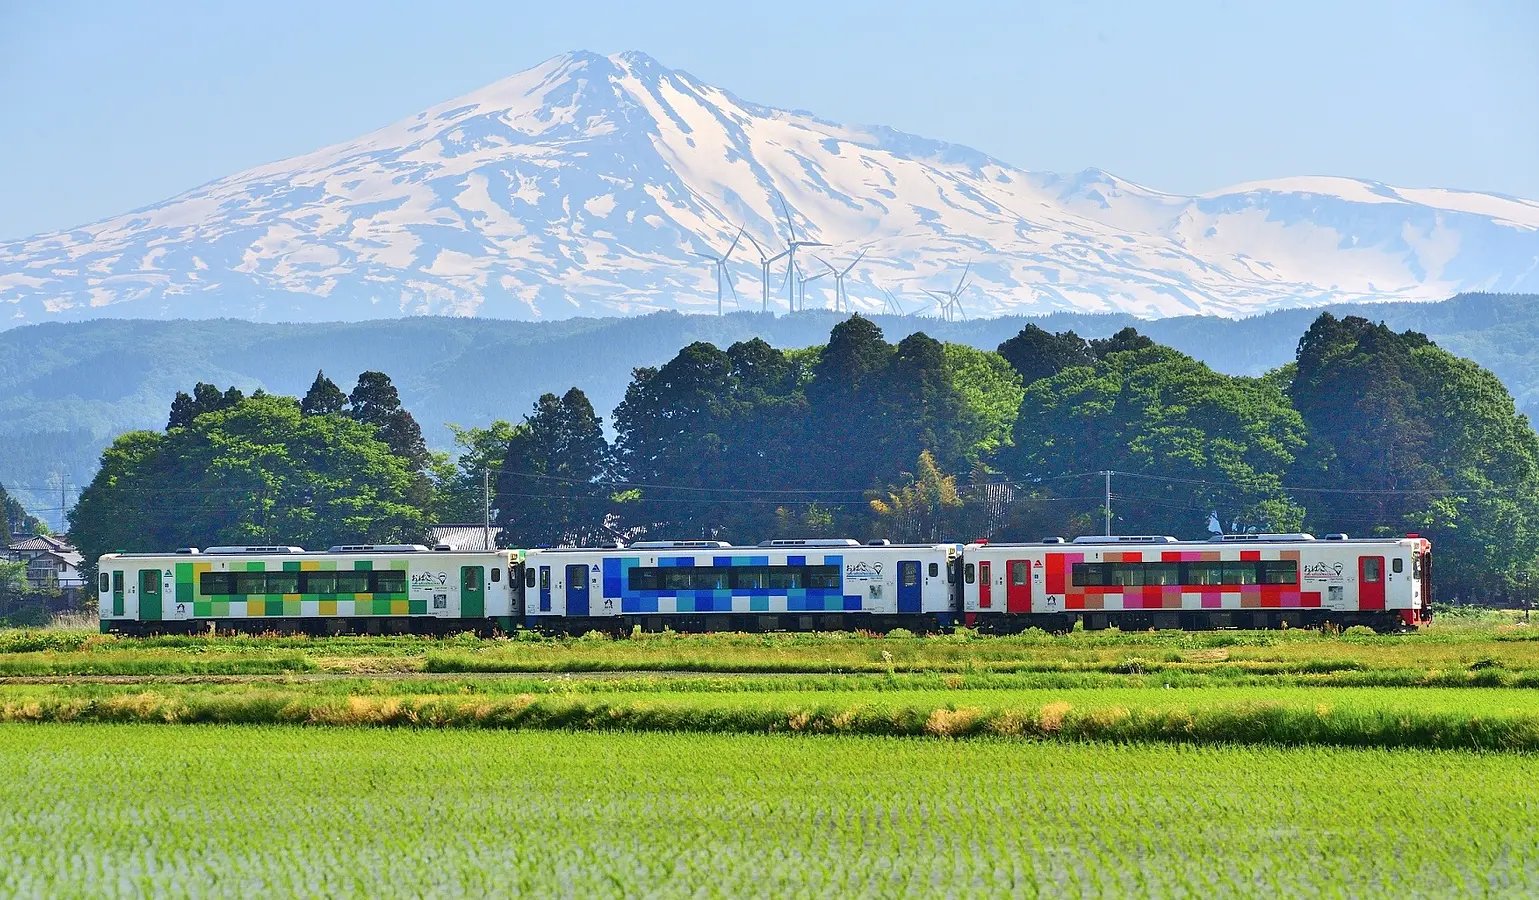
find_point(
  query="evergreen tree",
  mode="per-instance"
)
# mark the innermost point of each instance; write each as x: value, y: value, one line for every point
x: 1036, y: 354
x: 552, y: 488
x: 375, y: 401
x: 205, y: 398
x: 1126, y: 340
x: 324, y: 398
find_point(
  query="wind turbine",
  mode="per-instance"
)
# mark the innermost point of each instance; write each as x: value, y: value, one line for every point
x: 803, y: 279
x: 722, y: 275
x: 765, y: 262
x: 791, y: 246
x: 841, y: 296
x: 951, y: 301
x: 891, y: 306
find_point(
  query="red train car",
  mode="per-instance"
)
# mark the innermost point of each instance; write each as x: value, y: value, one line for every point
x: 1233, y: 581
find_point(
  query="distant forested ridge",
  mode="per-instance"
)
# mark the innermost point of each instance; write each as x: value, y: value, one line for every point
x: 1366, y: 430
x: 66, y: 390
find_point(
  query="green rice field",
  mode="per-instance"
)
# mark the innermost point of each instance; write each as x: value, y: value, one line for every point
x: 1154, y: 764
x: 127, y: 810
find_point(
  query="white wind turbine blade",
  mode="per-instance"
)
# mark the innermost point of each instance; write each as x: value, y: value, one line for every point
x: 785, y: 208
x: 960, y: 281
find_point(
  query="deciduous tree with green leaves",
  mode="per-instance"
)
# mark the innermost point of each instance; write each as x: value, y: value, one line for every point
x: 257, y: 472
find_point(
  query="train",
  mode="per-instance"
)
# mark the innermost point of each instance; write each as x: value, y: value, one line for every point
x: 1092, y: 582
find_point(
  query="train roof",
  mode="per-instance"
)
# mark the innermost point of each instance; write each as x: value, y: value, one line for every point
x: 818, y: 544
x: 1142, y: 540
x: 339, y: 550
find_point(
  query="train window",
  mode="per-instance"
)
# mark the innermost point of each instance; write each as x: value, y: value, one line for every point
x: 1373, y: 569
x: 1416, y: 566
x: 528, y: 578
x: 750, y: 578
x: 643, y: 579
x: 934, y: 570
x: 1088, y: 574
x: 1127, y: 575
x: 711, y: 578
x: 250, y: 583
x: 1282, y: 571
x: 1240, y: 573
x: 908, y: 574
x: 106, y: 582
x: 969, y: 573
x: 1204, y: 573
x: 1397, y: 565
x: 496, y: 575
x: 318, y: 582
x: 282, y: 583
x: 787, y: 578
x: 544, y: 578
x: 117, y: 582
x: 472, y: 576
x: 1162, y: 573
x: 823, y: 576
x: 352, y: 582
x: 1018, y: 573
x: 392, y: 581
x: 679, y: 578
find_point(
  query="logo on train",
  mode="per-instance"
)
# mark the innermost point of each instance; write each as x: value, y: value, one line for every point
x: 429, y: 580
x: 1324, y: 571
x: 862, y: 571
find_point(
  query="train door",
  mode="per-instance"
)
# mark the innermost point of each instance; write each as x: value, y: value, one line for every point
x: 1370, y: 582
x: 516, y: 590
x: 577, y: 590
x: 910, y: 589
x: 544, y: 588
x: 472, y: 592
x: 985, y: 586
x: 149, y: 595
x: 1018, y: 588
x: 118, y: 606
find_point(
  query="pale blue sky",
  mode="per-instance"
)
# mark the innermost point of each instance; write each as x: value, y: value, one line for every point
x: 109, y: 106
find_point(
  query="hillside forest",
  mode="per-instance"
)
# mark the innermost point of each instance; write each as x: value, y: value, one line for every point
x: 1367, y: 431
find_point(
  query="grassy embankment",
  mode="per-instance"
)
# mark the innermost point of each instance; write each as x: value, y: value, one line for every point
x: 1452, y: 685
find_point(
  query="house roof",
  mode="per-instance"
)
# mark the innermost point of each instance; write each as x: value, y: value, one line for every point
x: 41, y: 542
x: 463, y: 537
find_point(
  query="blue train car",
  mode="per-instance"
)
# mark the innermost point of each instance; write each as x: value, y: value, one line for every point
x: 711, y: 585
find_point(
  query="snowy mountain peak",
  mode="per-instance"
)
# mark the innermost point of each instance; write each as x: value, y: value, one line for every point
x: 592, y: 184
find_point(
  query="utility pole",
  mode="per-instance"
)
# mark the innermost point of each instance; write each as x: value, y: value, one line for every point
x: 486, y: 498
x: 1108, y: 475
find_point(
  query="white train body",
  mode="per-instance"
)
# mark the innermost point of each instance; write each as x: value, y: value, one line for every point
x: 1241, y: 580
x: 346, y: 588
x: 811, y: 582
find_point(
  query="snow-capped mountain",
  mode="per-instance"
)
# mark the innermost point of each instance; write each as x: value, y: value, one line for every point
x: 590, y: 184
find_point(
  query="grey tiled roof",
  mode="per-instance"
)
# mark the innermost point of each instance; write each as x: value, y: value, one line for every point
x: 463, y: 537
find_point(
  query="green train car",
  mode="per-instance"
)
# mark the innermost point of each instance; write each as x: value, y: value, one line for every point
x: 373, y: 588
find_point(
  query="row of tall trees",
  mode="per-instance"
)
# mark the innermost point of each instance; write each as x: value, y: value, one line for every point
x: 264, y: 469
x: 1368, y: 431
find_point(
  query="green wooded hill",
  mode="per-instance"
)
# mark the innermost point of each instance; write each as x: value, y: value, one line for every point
x: 67, y: 389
